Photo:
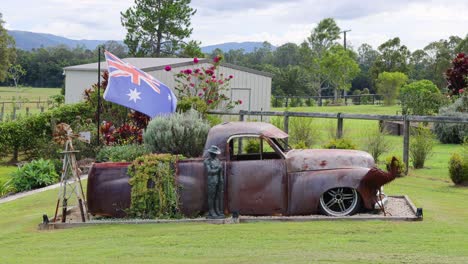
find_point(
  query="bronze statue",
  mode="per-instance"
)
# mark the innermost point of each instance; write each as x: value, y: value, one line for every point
x: 215, y: 180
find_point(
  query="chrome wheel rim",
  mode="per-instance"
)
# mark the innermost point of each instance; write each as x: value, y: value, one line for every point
x: 339, y: 201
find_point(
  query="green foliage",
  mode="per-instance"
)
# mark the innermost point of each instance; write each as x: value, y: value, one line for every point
x: 122, y: 153
x: 5, y: 188
x: 400, y: 165
x: 458, y: 168
x: 341, y: 143
x: 392, y: 57
x: 420, y: 98
x: 303, y: 131
x: 154, y: 192
x: 421, y: 145
x: 28, y: 133
x: 156, y: 28
x: 196, y: 103
x: 389, y: 84
x: 179, y: 133
x: 453, y: 132
x: 377, y: 143
x: 36, y: 174
x: 252, y: 146
x: 338, y: 60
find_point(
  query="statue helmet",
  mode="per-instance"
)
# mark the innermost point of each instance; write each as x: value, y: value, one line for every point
x: 214, y: 149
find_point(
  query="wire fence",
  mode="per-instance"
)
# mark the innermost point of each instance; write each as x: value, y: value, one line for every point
x: 12, y: 110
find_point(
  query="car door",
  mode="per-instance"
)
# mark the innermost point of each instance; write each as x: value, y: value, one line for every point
x: 256, y: 177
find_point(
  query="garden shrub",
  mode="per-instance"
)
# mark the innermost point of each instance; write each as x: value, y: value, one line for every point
x: 421, y: 98
x: 122, y: 153
x: 453, y: 132
x: 154, y: 191
x: 301, y: 129
x: 179, y: 133
x: 28, y: 133
x: 458, y: 169
x: 400, y: 165
x: 35, y: 174
x: 365, y: 97
x: 421, y: 144
x: 341, y: 143
x: 376, y: 143
x: 5, y: 188
x: 310, y: 102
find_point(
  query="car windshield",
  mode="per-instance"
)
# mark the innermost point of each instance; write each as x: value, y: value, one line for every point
x: 282, y: 144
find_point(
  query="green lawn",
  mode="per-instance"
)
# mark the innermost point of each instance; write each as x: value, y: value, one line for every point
x: 441, y: 238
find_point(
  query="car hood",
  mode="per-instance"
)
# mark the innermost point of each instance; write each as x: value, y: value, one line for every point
x: 327, y: 159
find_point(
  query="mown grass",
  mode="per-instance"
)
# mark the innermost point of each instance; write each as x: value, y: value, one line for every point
x: 441, y: 238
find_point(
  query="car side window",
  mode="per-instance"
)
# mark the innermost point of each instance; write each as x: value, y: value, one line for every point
x: 251, y: 148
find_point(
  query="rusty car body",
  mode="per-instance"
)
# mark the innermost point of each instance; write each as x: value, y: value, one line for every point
x: 263, y: 176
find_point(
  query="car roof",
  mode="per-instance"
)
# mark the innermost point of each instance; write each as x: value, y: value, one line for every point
x: 219, y: 134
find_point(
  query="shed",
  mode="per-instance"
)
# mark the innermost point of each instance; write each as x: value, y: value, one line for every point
x: 251, y: 86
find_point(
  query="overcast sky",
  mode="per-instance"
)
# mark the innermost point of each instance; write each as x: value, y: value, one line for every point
x: 416, y: 22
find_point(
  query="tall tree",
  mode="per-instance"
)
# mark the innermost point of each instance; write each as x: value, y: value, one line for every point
x: 7, y: 51
x: 286, y: 54
x: 191, y: 49
x: 116, y: 48
x: 322, y: 38
x: 340, y: 67
x: 393, y: 57
x: 157, y: 27
x: 366, y: 58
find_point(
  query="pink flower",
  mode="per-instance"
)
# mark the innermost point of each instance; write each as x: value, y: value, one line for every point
x: 461, y: 91
x: 217, y: 59
x: 192, y: 84
x: 195, y: 60
x: 168, y: 68
x: 231, y: 76
x: 210, y: 101
x: 239, y: 101
x: 188, y: 71
x: 197, y: 70
x: 200, y: 94
x: 220, y: 82
x: 204, y: 89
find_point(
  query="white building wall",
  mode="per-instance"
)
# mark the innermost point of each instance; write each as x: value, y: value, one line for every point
x: 76, y: 82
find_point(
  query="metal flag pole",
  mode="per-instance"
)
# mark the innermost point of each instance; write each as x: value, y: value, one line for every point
x: 98, y: 111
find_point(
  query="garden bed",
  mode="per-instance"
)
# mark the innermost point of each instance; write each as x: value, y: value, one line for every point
x: 398, y: 208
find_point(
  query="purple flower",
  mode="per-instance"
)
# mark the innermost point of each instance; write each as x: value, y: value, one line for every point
x: 168, y: 68
x: 195, y: 60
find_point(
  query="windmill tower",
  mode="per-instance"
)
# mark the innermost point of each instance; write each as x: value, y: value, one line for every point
x: 70, y: 191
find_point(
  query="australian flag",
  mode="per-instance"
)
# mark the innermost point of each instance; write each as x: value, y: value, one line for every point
x: 135, y: 89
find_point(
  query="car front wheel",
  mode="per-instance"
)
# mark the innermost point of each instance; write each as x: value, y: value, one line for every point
x: 340, y: 201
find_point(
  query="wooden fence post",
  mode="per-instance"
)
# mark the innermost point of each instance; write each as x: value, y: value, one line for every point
x: 42, y: 109
x: 406, y: 135
x: 13, y: 115
x: 339, y: 127
x: 27, y: 110
x: 287, y: 99
x: 241, y: 115
x: 2, y: 112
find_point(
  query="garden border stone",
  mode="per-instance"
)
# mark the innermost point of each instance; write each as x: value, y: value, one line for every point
x: 413, y: 216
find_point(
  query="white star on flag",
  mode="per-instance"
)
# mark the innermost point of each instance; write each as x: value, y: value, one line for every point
x: 134, y: 95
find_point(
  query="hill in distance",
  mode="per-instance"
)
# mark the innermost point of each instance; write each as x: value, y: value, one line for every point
x: 26, y: 40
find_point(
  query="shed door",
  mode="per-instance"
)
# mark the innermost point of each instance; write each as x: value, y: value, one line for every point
x: 256, y: 178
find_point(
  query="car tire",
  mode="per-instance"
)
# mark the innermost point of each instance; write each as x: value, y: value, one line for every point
x: 341, y: 201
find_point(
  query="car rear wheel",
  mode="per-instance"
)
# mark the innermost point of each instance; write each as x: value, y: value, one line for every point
x: 340, y: 201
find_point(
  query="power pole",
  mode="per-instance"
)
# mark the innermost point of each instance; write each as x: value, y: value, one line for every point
x: 344, y: 45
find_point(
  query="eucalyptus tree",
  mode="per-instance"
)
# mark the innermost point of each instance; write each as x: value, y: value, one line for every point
x: 7, y: 51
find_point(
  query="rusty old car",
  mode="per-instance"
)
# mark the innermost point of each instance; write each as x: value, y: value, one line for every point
x: 263, y: 176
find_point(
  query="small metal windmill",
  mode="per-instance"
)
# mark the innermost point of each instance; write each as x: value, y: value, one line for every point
x: 70, y: 182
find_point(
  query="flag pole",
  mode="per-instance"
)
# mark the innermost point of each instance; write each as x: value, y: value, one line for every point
x: 98, y: 111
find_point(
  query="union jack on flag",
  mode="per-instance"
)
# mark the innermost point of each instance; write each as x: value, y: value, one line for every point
x: 136, y: 89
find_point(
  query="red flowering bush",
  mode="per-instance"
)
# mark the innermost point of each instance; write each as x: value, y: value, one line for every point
x: 457, y: 75
x: 206, y: 85
x: 124, y: 135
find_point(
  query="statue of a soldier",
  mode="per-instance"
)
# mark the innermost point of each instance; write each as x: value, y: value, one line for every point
x: 215, y: 182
